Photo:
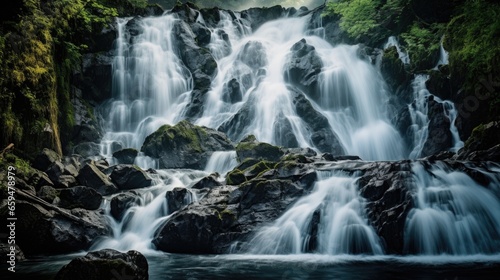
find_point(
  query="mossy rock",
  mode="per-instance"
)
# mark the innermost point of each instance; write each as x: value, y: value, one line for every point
x: 235, y: 177
x: 185, y: 145
x: 250, y: 148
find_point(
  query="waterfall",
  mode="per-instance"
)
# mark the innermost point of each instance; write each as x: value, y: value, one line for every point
x: 443, y: 55
x: 134, y: 231
x: 329, y: 220
x: 420, y: 121
x: 453, y: 214
x: 393, y: 42
x: 352, y: 96
x: 222, y: 162
x: 150, y: 85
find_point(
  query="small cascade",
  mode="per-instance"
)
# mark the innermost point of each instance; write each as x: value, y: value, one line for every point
x: 221, y: 162
x: 392, y: 41
x: 135, y: 230
x: 453, y: 214
x: 420, y: 121
x: 443, y: 55
x: 150, y: 84
x: 330, y: 220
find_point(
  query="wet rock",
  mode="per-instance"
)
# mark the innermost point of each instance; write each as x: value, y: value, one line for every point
x: 96, y: 78
x: 483, y: 143
x: 251, y: 148
x: 303, y: 68
x: 259, y: 16
x: 185, y: 145
x: 177, y: 198
x: 39, y: 179
x: 232, y: 92
x: 80, y: 197
x: 126, y: 156
x: 66, y: 181
x: 208, y: 182
x: 39, y: 231
x: 45, y: 159
x: 393, y: 69
x: 106, y: 264
x: 92, y: 177
x: 254, y: 55
x: 439, y: 137
x: 121, y: 202
x: 128, y: 177
x: 322, y: 136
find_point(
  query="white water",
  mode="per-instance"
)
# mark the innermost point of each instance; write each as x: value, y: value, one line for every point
x: 150, y: 84
x: 420, y: 121
x: 342, y: 228
x: 443, y: 56
x: 151, y: 87
x: 453, y: 215
x: 136, y: 228
x: 393, y: 42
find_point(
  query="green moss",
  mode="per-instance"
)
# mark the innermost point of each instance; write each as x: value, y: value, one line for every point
x: 235, y: 177
x: 422, y: 44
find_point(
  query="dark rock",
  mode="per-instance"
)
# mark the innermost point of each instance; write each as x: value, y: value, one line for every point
x: 439, y: 136
x: 225, y: 214
x: 322, y: 136
x: 80, y: 197
x: 128, y: 177
x: 439, y: 84
x: 92, y: 177
x: 87, y: 149
x: 303, y: 68
x: 393, y: 69
x: 203, y: 34
x: 259, y: 16
x: 250, y: 148
x: 177, y: 198
x: 40, y: 179
x: 330, y: 157
x: 126, y: 156
x: 66, y: 181
x: 96, y: 81
x: 482, y: 144
x: 235, y: 177
x: 388, y: 189
x: 106, y: 264
x: 54, y: 171
x: 47, y: 193
x: 232, y: 92
x: 235, y: 126
x: 185, y: 145
x: 208, y: 182
x: 39, y: 231
x: 121, y: 202
x: 45, y: 159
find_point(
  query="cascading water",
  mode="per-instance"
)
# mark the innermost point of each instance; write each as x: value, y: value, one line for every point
x: 151, y: 87
x: 453, y: 215
x: 150, y: 84
x: 393, y: 42
x: 149, y: 209
x: 330, y: 220
x: 256, y: 66
x: 420, y: 121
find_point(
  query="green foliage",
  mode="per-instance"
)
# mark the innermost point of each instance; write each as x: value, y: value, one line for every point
x: 370, y: 21
x: 422, y: 44
x: 473, y: 41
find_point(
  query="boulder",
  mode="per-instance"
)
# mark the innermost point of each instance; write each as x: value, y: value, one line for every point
x: 259, y: 16
x: 177, y: 198
x: 45, y: 159
x: 184, y: 145
x: 87, y: 149
x: 47, y: 193
x: 303, y: 68
x: 80, y: 197
x: 483, y: 143
x: 251, y: 148
x: 126, y: 156
x: 92, y: 177
x: 121, y: 202
x: 208, y: 182
x: 323, y: 138
x: 39, y: 231
x: 128, y: 177
x: 253, y: 54
x: 106, y: 264
x: 439, y: 136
